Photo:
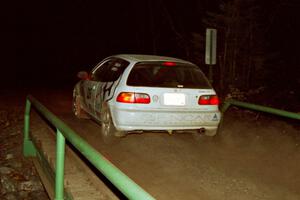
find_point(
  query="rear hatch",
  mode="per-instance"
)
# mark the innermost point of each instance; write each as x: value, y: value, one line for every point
x: 172, y: 85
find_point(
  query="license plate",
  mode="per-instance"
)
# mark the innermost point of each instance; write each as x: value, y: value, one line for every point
x: 174, y: 99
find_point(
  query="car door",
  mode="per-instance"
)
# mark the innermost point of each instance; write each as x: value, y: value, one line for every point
x: 93, y: 87
x: 107, y: 76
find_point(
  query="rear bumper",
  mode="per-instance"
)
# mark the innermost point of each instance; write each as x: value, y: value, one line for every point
x: 132, y: 119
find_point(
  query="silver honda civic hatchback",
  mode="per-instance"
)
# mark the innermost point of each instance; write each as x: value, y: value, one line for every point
x: 135, y: 93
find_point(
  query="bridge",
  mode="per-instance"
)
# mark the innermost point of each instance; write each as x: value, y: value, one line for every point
x: 75, y: 162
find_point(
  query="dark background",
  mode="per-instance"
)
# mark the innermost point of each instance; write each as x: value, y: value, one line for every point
x: 45, y: 43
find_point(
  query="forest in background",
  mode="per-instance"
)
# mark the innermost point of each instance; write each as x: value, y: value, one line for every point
x: 257, y: 48
x: 257, y: 43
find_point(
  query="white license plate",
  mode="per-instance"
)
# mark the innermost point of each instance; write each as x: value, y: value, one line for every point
x: 174, y: 99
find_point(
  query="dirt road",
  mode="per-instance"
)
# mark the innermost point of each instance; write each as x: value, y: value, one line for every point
x: 255, y: 156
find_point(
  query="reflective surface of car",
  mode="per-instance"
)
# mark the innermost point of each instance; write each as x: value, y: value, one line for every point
x: 128, y: 93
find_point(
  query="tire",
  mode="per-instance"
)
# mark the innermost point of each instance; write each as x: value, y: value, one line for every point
x: 76, y: 107
x: 108, y: 128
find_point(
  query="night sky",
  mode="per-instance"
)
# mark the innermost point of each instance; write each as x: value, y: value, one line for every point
x: 47, y: 42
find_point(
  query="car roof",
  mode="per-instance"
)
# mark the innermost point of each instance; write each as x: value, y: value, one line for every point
x: 142, y: 58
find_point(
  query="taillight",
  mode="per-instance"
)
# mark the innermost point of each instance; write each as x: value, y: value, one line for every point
x: 208, y: 100
x: 132, y: 97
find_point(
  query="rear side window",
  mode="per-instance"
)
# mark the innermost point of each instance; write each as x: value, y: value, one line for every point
x: 167, y: 74
x: 110, y: 71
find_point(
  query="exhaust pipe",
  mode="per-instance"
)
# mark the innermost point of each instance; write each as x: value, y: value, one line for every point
x: 201, y: 130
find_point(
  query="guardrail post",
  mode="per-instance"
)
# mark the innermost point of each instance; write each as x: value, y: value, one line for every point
x: 225, y: 106
x: 60, y: 166
x: 28, y: 147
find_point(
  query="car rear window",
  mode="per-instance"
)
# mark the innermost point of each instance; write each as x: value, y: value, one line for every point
x: 167, y: 74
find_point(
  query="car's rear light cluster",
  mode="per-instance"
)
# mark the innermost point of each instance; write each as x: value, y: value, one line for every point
x: 132, y: 97
x: 208, y: 100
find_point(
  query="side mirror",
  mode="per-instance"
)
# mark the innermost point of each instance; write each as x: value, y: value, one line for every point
x: 83, y: 75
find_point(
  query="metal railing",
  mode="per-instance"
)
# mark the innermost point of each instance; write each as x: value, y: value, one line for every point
x: 260, y: 108
x: 127, y: 186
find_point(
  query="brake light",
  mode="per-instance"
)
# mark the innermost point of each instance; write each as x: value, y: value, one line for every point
x: 208, y: 100
x: 169, y: 64
x: 132, y: 97
x: 214, y: 100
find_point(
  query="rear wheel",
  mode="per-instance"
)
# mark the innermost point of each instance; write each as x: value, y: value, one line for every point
x: 107, y: 125
x: 77, y: 110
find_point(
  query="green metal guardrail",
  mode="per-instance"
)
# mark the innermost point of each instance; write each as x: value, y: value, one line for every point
x: 127, y: 186
x: 266, y: 109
